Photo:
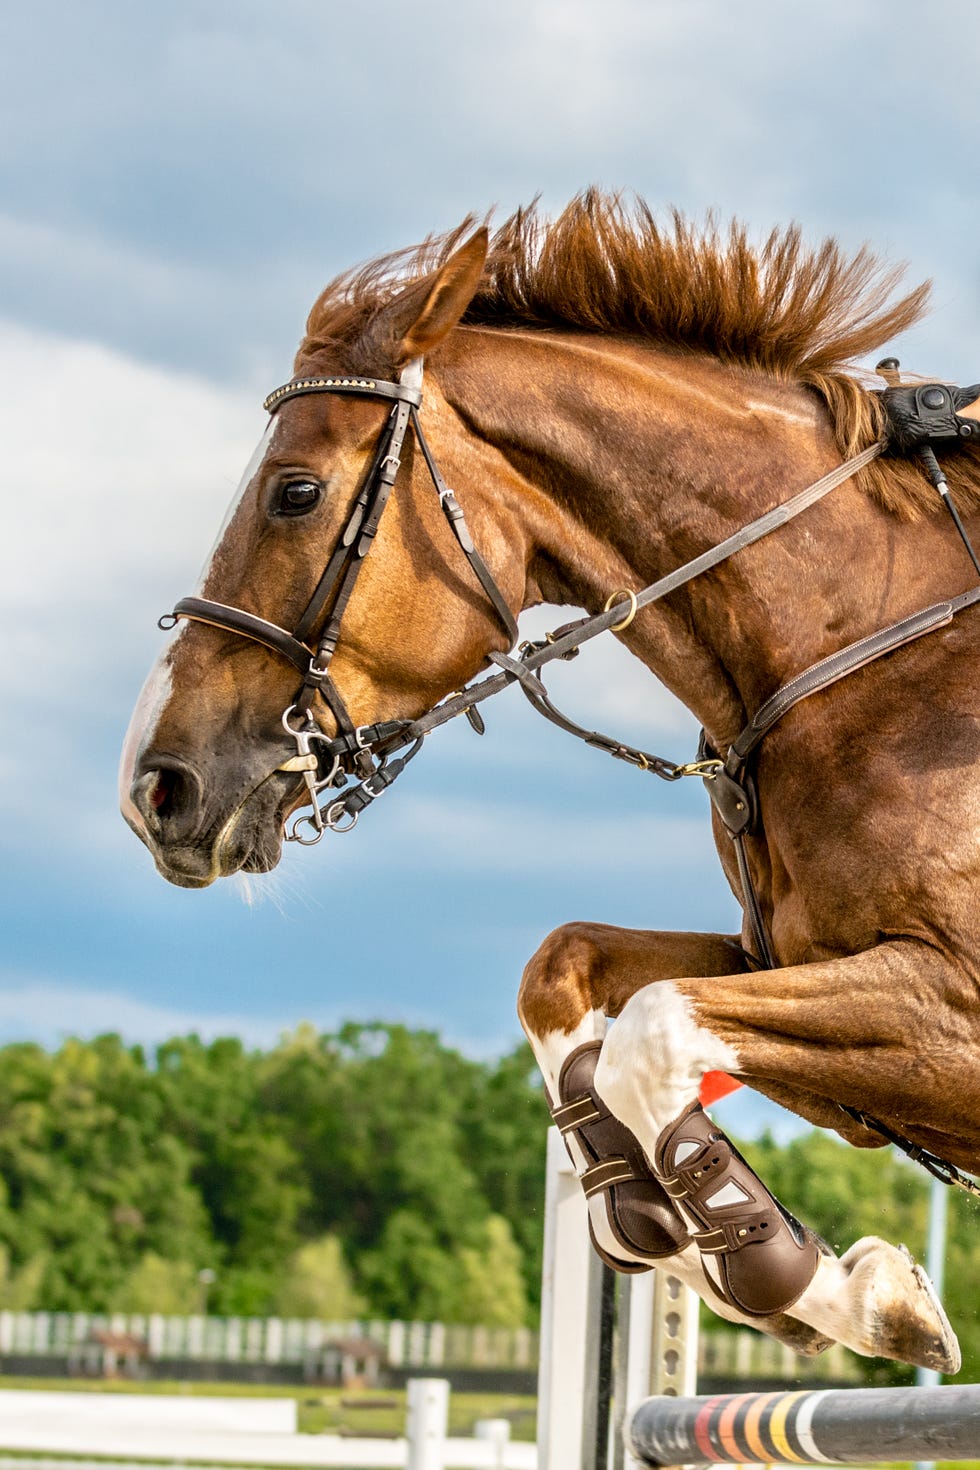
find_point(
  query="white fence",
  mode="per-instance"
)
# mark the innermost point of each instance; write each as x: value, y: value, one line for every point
x: 418, y: 1346
x: 243, y: 1431
x: 421, y: 1345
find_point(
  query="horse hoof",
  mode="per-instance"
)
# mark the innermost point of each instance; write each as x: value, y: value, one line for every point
x: 942, y: 1351
x: 905, y: 1316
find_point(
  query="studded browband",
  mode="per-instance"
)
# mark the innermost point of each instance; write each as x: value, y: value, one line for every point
x: 360, y: 387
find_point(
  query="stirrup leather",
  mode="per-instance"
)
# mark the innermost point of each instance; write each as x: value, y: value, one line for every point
x: 639, y: 1213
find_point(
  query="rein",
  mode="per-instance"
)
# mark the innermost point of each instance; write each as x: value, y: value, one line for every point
x: 917, y: 418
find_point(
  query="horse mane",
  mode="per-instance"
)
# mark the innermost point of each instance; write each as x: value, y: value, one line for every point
x: 785, y: 309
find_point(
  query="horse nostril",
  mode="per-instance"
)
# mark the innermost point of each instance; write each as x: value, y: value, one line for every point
x: 169, y: 800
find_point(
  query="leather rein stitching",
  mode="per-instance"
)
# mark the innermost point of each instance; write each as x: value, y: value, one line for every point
x: 915, y: 423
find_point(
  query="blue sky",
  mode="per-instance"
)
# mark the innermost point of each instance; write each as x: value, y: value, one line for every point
x: 176, y: 184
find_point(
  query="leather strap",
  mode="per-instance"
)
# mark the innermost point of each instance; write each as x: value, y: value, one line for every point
x: 606, y: 1174
x: 838, y: 665
x: 246, y: 625
x: 358, y: 387
x: 569, y: 1116
x: 454, y: 514
x: 727, y: 786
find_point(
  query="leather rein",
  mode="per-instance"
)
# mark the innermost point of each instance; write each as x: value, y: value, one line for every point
x: 918, y: 419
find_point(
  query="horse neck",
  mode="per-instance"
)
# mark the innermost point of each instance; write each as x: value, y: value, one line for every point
x: 646, y: 457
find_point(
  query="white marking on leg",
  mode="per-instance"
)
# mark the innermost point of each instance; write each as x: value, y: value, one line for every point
x: 873, y: 1300
x: 551, y: 1049
x: 653, y: 1060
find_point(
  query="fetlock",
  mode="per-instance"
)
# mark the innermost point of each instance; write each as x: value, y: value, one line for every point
x: 639, y: 1214
x: 764, y: 1259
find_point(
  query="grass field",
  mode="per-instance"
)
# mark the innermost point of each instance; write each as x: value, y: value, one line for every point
x: 368, y: 1412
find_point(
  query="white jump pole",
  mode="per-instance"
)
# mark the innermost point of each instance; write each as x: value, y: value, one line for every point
x: 568, y: 1258
x: 656, y: 1344
x: 427, y: 1423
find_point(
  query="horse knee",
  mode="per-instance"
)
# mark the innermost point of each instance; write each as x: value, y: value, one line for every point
x: 653, y: 1059
x: 558, y: 985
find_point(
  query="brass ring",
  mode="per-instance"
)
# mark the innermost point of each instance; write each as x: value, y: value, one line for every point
x: 613, y: 598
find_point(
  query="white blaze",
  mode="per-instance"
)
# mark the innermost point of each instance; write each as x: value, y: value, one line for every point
x: 156, y: 692
x: 152, y: 701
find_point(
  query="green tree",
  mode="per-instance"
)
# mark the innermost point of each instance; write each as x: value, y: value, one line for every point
x: 410, y: 1274
x: 491, y: 1286
x: 91, y: 1177
x: 158, y: 1285
x: 121, y: 1177
x: 317, y: 1283
x: 20, y: 1290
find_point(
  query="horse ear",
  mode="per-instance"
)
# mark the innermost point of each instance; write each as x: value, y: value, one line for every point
x: 419, y: 328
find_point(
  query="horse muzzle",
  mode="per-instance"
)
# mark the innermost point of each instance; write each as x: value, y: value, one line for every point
x: 195, y: 838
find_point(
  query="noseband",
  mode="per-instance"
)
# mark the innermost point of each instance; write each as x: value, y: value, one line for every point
x: 354, y: 746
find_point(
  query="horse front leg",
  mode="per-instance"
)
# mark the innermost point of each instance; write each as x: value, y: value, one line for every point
x: 583, y: 975
x: 816, y: 1028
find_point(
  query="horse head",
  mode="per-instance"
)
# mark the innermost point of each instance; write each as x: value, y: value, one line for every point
x: 210, y: 771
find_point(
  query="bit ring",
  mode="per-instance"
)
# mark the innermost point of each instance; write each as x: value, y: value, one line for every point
x: 612, y: 599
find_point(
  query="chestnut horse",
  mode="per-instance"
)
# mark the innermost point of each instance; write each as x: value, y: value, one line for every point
x: 610, y: 398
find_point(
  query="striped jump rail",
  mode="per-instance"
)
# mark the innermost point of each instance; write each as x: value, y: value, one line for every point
x: 832, y: 1427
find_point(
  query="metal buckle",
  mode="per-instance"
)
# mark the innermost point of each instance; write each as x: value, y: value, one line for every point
x: 611, y: 601
x: 706, y: 769
x: 334, y: 816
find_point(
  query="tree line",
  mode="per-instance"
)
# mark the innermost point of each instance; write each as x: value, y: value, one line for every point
x: 372, y: 1171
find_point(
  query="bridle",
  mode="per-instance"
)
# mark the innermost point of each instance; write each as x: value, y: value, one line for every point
x: 359, y: 750
x: 918, y: 420
x: 377, y: 754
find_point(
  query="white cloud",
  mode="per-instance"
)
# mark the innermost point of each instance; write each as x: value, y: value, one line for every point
x: 116, y: 476
x: 48, y: 1011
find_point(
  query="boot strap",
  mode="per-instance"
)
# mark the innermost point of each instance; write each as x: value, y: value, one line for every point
x: 605, y: 1175
x: 576, y: 1114
x: 731, y: 1236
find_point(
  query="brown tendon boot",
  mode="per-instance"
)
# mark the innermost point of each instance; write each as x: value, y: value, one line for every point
x: 639, y: 1212
x: 765, y: 1258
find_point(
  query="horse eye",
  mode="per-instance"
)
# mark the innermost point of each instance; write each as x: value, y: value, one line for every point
x: 298, y: 496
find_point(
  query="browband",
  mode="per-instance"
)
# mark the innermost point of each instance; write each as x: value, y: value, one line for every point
x: 360, y: 387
